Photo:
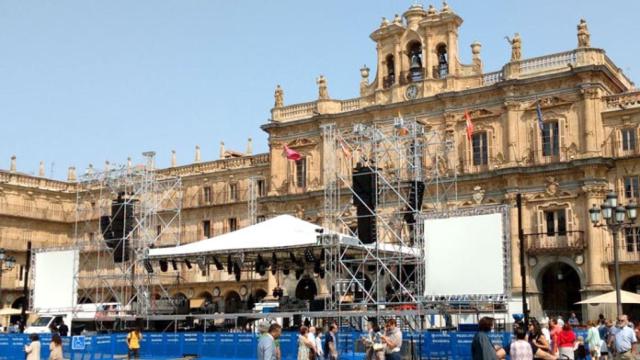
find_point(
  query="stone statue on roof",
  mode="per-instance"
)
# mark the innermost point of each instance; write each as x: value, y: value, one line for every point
x: 516, y: 47
x: 279, y: 97
x: 584, y: 38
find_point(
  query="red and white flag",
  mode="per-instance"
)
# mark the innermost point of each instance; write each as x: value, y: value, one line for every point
x: 467, y: 118
x: 292, y: 154
x: 345, y: 149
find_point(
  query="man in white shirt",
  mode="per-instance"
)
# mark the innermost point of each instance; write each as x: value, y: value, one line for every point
x: 624, y: 339
x: 393, y: 340
x: 311, y: 335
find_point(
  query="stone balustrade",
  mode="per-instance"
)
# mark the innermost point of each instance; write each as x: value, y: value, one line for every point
x: 622, y: 101
x: 294, y: 112
x: 491, y: 78
x: 548, y: 62
x: 211, y: 166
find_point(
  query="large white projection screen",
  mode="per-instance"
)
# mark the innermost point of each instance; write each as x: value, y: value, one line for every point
x: 54, y: 279
x: 465, y: 255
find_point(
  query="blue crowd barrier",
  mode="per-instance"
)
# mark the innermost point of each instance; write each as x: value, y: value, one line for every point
x: 427, y: 345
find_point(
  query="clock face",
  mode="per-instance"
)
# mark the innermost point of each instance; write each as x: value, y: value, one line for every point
x: 216, y: 291
x: 411, y: 92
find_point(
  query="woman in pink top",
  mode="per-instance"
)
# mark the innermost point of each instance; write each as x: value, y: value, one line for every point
x: 566, y: 342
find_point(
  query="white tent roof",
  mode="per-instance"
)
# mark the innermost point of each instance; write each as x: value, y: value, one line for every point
x: 626, y: 297
x: 283, y: 231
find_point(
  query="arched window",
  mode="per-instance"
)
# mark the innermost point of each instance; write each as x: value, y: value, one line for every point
x: 443, y: 62
x: 414, y: 51
x: 390, y: 79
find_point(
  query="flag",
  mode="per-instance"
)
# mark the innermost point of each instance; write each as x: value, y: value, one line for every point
x: 540, y: 118
x: 345, y: 149
x: 467, y: 118
x: 292, y: 154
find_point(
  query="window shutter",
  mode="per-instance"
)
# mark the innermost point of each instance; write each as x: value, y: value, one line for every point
x: 469, y: 151
x: 570, y: 220
x: 563, y: 128
x: 617, y: 146
x: 541, y: 222
x: 491, y: 149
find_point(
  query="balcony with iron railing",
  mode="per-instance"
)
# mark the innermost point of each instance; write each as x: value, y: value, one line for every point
x: 569, y: 242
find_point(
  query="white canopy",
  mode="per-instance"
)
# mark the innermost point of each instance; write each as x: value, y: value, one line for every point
x: 626, y: 297
x: 284, y: 231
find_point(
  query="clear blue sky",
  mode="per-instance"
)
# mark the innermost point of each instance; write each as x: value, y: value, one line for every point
x: 87, y: 81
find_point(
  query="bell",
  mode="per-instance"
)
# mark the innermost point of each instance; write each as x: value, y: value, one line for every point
x: 415, y: 62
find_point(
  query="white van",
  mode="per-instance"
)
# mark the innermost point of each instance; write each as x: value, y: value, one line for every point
x: 42, y: 325
x: 84, y: 317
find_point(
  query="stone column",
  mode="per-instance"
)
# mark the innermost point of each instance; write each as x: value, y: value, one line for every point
x: 511, y: 128
x: 13, y: 166
x: 174, y: 161
x: 41, y: 170
x: 590, y: 120
x: 71, y: 174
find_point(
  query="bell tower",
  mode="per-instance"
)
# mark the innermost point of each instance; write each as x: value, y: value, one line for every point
x: 420, y: 47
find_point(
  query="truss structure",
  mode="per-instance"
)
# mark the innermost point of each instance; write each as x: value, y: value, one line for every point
x: 155, y: 201
x: 403, y: 157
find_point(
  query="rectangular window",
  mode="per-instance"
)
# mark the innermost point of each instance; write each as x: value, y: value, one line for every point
x: 233, y: 224
x: 207, y: 195
x: 631, y: 184
x: 480, y: 152
x: 631, y: 236
x: 556, y: 221
x: 206, y: 229
x: 261, y: 188
x: 301, y: 173
x: 628, y: 139
x: 550, y: 139
x: 233, y: 192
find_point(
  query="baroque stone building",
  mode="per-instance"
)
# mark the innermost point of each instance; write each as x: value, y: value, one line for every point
x: 585, y: 144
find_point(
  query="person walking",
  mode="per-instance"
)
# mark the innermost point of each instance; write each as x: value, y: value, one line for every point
x: 133, y: 343
x: 267, y: 345
x: 319, y: 350
x: 566, y: 342
x: 373, y: 342
x: 33, y: 350
x: 55, y: 348
x: 606, y: 334
x: 392, y: 339
x: 623, y: 339
x: 331, y: 343
x: 481, y: 346
x: 305, y: 346
x: 521, y: 349
x: 311, y: 336
x: 539, y: 344
x: 593, y: 340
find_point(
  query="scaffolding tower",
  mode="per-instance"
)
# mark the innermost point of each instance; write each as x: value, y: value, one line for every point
x: 113, y: 269
x: 413, y: 171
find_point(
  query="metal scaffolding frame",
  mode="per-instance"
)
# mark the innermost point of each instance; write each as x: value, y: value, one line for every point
x: 401, y: 156
x: 156, y: 202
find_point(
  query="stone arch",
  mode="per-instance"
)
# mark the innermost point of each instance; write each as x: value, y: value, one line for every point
x: 232, y: 302
x: 306, y: 289
x: 544, y: 262
x: 632, y: 284
x: 559, y: 283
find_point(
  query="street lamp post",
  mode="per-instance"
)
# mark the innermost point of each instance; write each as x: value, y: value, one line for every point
x: 6, y: 263
x: 614, y: 216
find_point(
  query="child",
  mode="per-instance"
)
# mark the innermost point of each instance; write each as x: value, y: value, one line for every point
x: 580, y: 352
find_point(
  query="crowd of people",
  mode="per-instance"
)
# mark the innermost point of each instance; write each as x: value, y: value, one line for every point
x: 557, y: 339
x: 314, y: 344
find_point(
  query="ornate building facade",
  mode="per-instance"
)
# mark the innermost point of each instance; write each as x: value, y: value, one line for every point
x: 585, y: 143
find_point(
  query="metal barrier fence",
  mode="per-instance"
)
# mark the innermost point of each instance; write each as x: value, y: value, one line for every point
x: 217, y: 345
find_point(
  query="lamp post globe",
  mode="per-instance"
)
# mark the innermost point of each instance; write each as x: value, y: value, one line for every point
x: 594, y: 214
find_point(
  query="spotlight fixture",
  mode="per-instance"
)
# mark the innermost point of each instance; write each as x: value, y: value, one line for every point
x: 229, y: 265
x: 299, y: 273
x: 148, y: 266
x: 174, y: 264
x: 188, y: 263
x: 202, y: 265
x: 218, y: 264
x: 163, y: 265
x: 308, y: 255
x: 293, y: 258
x: 286, y: 270
x: 236, y: 270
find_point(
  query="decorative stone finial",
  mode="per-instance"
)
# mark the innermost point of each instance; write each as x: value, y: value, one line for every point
x: 397, y: 20
x: 41, y: 171
x: 13, y: 166
x: 364, y: 81
x: 385, y: 22
x: 445, y: 7
x: 475, y: 49
x: 222, y: 150
x: 249, y: 146
x: 323, y: 92
x: 71, y: 174
x: 584, y: 37
x: 107, y: 166
x: 198, y: 156
x: 431, y: 10
x: 279, y: 97
x: 129, y: 163
x: 89, y: 169
x: 516, y: 47
x: 174, y: 161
